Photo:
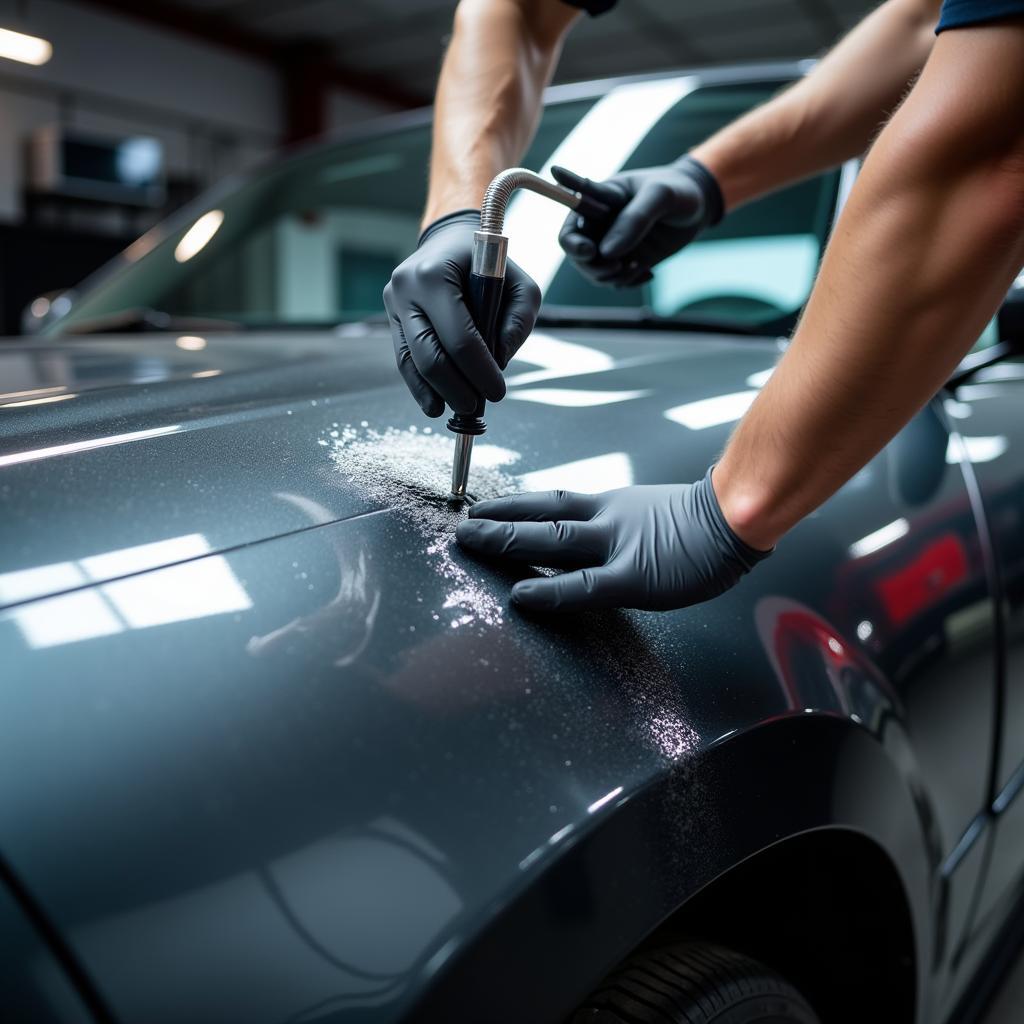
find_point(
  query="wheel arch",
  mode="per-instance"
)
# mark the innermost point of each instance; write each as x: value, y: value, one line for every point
x: 783, y: 905
x: 798, y: 783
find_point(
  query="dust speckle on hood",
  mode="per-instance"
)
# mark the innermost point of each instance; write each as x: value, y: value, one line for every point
x: 410, y: 472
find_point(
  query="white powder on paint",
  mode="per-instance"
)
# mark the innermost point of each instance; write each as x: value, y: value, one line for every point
x: 410, y: 471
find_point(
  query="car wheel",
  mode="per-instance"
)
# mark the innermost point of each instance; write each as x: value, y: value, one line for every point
x: 694, y: 983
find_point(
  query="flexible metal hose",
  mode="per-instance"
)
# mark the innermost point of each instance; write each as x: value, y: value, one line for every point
x: 499, y: 192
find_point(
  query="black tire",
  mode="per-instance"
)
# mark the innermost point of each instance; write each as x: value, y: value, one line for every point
x: 694, y: 983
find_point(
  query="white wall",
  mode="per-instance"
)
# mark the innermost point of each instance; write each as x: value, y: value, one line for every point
x: 216, y: 111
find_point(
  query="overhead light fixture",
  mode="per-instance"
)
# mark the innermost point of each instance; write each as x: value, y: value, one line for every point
x: 196, y: 238
x: 24, y: 48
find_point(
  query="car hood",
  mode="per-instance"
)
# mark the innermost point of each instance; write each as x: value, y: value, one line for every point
x: 272, y: 748
x: 114, y: 449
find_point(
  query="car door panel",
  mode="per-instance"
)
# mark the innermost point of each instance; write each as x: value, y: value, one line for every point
x: 989, y: 410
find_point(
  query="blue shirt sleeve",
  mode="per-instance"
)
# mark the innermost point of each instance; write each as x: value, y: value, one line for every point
x: 959, y: 13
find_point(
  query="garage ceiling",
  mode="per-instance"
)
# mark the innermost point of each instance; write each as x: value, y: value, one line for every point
x: 402, y: 41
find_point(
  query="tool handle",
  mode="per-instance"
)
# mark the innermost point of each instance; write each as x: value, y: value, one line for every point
x: 483, y: 296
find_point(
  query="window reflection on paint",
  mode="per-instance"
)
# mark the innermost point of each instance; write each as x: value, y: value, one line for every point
x: 557, y: 358
x: 574, y: 398
x: 712, y: 412
x: 589, y: 476
x: 190, y: 590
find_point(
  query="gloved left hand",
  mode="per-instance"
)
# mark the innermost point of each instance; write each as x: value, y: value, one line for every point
x: 659, y: 210
x: 654, y: 547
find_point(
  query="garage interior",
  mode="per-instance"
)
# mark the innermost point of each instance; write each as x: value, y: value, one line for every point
x: 221, y: 86
x: 188, y: 94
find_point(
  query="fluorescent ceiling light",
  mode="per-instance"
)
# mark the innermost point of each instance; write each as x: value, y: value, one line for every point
x: 880, y: 538
x: 712, y: 412
x: 24, y: 48
x: 196, y: 238
x: 574, y: 398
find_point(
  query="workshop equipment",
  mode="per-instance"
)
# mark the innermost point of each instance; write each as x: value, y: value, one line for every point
x: 487, y: 279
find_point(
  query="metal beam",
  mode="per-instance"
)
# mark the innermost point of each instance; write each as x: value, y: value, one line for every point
x: 220, y: 31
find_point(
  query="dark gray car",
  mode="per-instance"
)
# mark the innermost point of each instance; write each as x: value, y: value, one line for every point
x: 273, y: 750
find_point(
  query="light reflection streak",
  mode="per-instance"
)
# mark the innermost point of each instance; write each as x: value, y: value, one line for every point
x: 560, y: 835
x: 589, y: 476
x: 881, y: 538
x: 33, y: 392
x: 557, y: 358
x: 573, y: 398
x: 83, y: 446
x: 977, y: 449
x: 38, y: 401
x: 607, y: 798
x: 198, y: 236
x: 712, y: 412
x: 759, y: 379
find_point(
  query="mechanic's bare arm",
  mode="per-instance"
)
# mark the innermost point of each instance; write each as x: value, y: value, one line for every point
x: 929, y: 242
x: 500, y: 59
x: 832, y: 114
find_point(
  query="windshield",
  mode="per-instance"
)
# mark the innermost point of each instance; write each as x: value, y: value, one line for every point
x: 312, y: 240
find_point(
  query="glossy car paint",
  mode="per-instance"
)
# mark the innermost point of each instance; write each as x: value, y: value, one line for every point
x: 254, y: 764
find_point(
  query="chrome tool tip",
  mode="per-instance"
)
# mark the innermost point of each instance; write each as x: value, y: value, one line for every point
x: 460, y: 466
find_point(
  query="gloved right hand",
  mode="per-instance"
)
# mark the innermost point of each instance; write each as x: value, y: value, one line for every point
x: 660, y: 209
x: 440, y: 353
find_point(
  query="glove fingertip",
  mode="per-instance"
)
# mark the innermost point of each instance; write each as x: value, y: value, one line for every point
x: 570, y: 179
x: 496, y: 392
x: 479, y: 510
x: 614, y: 245
x: 578, y: 246
x: 530, y: 594
x: 468, y: 530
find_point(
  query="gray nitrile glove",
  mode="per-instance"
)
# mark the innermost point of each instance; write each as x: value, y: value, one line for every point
x: 661, y: 209
x: 440, y: 353
x: 638, y: 547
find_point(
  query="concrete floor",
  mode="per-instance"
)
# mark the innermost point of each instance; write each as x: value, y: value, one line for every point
x: 1008, y: 1005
